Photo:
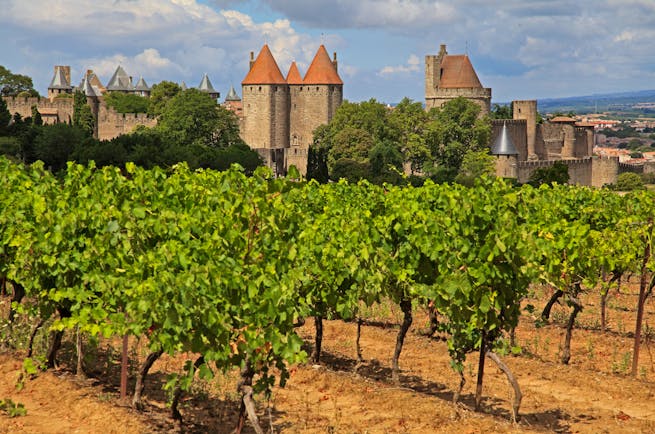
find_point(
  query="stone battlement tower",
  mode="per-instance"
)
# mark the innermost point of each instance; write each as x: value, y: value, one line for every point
x: 280, y: 114
x: 450, y: 76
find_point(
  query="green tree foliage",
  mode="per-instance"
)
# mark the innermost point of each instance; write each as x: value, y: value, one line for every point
x: 408, y: 119
x: 160, y: 94
x: 558, y: 173
x: 454, y: 130
x: 475, y: 165
x: 82, y: 115
x: 15, y: 84
x: 54, y: 144
x: 5, y: 117
x: 36, y: 116
x: 190, y: 117
x: 629, y: 181
x: 127, y: 102
x: 502, y: 112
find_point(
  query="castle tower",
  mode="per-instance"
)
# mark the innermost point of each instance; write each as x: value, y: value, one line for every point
x: 528, y: 110
x: 142, y: 88
x: 506, y: 155
x: 61, y: 82
x: 265, y: 99
x: 120, y: 81
x: 206, y: 86
x: 314, y: 100
x: 450, y: 76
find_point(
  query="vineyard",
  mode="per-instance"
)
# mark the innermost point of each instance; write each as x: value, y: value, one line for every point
x: 226, y: 273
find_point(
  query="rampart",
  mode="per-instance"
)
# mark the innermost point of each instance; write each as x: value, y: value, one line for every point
x: 113, y: 124
x: 580, y: 169
x: 55, y: 111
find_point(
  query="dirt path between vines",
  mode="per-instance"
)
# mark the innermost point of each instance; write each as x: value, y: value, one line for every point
x: 591, y: 395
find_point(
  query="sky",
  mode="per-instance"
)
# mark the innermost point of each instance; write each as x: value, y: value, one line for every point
x: 522, y: 49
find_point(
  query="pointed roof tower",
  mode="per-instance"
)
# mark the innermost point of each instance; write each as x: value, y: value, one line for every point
x: 264, y: 70
x: 293, y: 76
x: 457, y: 72
x: 141, y: 85
x: 322, y: 70
x: 503, y: 144
x: 206, y: 85
x: 59, y: 79
x: 232, y: 95
x: 120, y: 81
x: 183, y: 86
x: 87, y: 88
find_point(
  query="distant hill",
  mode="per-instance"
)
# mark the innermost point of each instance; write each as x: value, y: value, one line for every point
x: 620, y: 102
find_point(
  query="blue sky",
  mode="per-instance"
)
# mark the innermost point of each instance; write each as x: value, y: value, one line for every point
x: 522, y: 49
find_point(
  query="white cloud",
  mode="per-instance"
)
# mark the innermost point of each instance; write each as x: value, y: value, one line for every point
x: 412, y: 65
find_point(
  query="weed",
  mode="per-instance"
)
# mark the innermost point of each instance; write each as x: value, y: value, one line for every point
x: 590, y: 349
x: 13, y: 409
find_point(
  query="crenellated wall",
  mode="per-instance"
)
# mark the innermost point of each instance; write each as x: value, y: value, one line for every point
x: 57, y: 110
x: 113, y: 124
x: 580, y: 169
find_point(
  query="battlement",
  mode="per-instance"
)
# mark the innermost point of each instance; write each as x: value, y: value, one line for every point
x: 20, y: 102
x: 509, y: 122
x: 548, y: 163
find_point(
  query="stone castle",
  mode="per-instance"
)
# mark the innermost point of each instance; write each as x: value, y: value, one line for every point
x: 278, y: 114
x: 521, y: 145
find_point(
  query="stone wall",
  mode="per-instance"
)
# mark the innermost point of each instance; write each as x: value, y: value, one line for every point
x: 516, y: 128
x: 263, y: 113
x: 580, y: 169
x: 527, y: 110
x: 113, y: 124
x: 481, y: 96
x: 59, y: 108
x: 605, y: 171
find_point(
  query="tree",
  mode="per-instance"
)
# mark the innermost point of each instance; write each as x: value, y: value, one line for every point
x: 127, y: 102
x: 558, y: 173
x: 190, y: 117
x: 476, y: 164
x: 453, y: 130
x: 82, y: 115
x: 628, y: 182
x: 386, y: 164
x: 54, y: 145
x: 350, y: 143
x: 36, y: 116
x: 14, y: 84
x: 5, y: 117
x: 408, y: 118
x: 502, y: 112
x: 160, y: 94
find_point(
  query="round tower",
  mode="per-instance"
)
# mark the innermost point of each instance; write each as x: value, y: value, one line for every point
x: 506, y: 155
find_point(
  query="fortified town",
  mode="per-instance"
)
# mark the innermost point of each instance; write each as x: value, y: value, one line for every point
x: 278, y: 114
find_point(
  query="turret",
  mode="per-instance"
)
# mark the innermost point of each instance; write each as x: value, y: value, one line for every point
x: 506, y: 155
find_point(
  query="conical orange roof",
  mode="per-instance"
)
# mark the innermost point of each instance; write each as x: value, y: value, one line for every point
x: 294, y: 77
x: 264, y: 70
x: 321, y: 70
x: 457, y: 71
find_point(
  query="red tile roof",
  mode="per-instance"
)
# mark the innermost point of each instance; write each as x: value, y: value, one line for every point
x: 264, y: 70
x: 458, y: 72
x: 322, y: 70
x: 293, y: 77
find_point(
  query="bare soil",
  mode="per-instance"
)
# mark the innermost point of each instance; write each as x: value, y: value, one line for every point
x: 593, y: 394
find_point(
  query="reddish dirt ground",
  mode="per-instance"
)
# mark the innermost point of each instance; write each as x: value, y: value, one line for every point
x: 593, y: 394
